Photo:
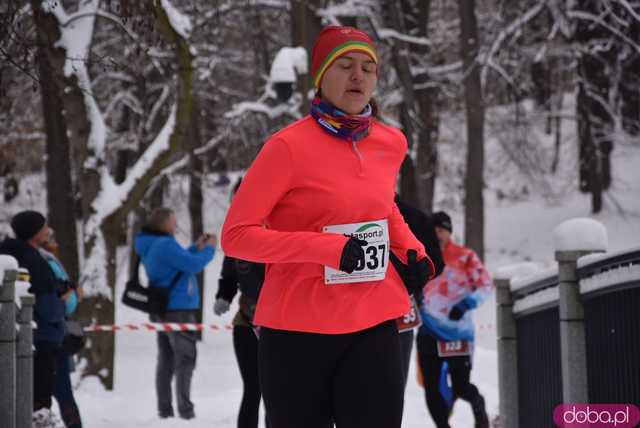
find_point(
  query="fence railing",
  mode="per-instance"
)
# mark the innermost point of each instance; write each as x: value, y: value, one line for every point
x: 16, y: 350
x: 569, y: 335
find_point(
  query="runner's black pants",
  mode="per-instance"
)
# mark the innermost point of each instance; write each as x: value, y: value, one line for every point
x: 311, y: 380
x: 245, y: 345
x: 459, y: 371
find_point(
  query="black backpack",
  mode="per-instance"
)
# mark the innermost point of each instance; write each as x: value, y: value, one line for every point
x: 152, y: 300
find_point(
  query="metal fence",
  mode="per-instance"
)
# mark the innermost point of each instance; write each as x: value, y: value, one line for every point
x: 539, y: 371
x: 607, y: 320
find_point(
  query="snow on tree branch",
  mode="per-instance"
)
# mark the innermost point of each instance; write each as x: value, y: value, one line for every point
x: 389, y: 33
x: 75, y: 38
x: 598, y: 20
x: 180, y: 22
x: 271, y: 111
x: 156, y: 107
x: 365, y: 8
x: 112, y: 196
x: 505, y: 34
x: 233, y: 5
x: 288, y: 63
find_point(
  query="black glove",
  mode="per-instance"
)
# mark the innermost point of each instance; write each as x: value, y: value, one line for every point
x: 458, y: 310
x: 418, y: 272
x: 352, y: 253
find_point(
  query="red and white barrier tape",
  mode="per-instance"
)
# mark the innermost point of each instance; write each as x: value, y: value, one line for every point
x: 172, y: 326
x: 157, y: 326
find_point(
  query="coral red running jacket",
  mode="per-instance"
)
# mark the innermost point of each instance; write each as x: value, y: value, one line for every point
x: 302, y: 180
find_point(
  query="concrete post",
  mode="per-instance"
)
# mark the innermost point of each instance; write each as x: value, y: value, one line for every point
x: 573, y: 350
x: 24, y: 353
x: 8, y: 350
x: 573, y: 239
x: 507, y: 355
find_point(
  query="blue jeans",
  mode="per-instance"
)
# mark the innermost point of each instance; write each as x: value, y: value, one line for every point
x: 64, y: 393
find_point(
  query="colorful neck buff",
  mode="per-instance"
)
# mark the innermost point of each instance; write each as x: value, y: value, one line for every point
x: 351, y: 127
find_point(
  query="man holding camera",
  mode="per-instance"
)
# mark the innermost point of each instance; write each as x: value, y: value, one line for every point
x: 169, y: 265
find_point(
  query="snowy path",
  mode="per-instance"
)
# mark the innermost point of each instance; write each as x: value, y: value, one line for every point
x: 217, y: 386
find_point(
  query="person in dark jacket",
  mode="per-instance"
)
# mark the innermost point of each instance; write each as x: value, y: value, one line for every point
x: 171, y: 266
x: 31, y: 229
x: 246, y: 277
x: 423, y: 228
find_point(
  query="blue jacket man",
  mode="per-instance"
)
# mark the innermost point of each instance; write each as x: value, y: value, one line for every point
x: 164, y: 260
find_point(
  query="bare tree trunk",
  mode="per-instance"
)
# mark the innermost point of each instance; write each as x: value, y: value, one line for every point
x: 558, y: 130
x: 60, y: 196
x: 427, y: 149
x: 305, y: 27
x: 474, y: 181
x: 629, y: 84
x: 97, y: 308
x: 417, y: 115
x: 595, y: 124
x: 196, y: 170
x: 400, y: 54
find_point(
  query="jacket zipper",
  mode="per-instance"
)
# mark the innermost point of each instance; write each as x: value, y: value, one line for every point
x: 354, y: 146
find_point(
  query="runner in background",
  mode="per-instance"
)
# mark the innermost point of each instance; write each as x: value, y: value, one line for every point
x: 447, y: 331
x: 422, y: 227
x: 329, y: 347
x: 246, y: 277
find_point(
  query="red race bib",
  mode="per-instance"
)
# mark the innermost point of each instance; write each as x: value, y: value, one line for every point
x: 411, y: 319
x: 454, y: 348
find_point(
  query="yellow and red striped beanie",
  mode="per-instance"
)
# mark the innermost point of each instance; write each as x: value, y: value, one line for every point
x: 335, y: 41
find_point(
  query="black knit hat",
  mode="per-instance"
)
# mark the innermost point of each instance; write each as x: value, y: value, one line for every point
x: 26, y: 224
x: 442, y: 219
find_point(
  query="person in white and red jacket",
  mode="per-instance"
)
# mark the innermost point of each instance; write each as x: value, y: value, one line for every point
x: 447, y: 331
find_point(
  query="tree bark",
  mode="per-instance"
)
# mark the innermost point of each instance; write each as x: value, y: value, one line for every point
x: 595, y: 124
x: 474, y: 106
x: 196, y: 170
x: 60, y: 196
x: 418, y: 115
x: 93, y: 309
x: 305, y: 27
x: 425, y: 94
x: 400, y: 56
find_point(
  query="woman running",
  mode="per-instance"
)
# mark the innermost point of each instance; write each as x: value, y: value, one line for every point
x: 317, y: 205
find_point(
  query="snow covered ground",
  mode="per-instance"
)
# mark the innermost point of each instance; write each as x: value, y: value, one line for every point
x: 516, y: 231
x: 217, y: 387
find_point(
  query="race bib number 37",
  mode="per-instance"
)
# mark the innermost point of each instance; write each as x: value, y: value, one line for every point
x: 373, y: 267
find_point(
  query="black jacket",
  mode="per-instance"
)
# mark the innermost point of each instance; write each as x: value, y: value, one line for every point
x: 246, y: 277
x: 240, y: 275
x: 48, y: 312
x: 422, y: 227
